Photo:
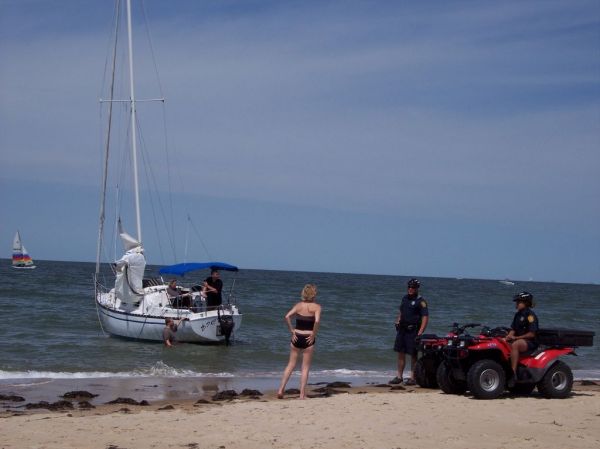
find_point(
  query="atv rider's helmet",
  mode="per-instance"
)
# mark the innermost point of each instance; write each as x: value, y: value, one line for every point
x: 524, y: 297
x: 414, y: 283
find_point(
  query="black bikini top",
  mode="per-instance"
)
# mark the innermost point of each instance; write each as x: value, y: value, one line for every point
x: 305, y: 323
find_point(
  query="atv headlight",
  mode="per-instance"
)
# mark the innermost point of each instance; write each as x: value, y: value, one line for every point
x: 462, y: 344
x: 450, y: 342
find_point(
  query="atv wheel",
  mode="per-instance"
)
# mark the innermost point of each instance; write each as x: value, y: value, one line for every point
x: 425, y: 372
x: 486, y: 379
x: 522, y: 389
x: 448, y: 384
x: 557, y: 382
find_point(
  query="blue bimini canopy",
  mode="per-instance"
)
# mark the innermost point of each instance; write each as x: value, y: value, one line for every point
x: 181, y: 269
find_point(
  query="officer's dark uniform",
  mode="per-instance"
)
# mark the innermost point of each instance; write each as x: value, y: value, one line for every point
x: 525, y: 321
x: 412, y: 309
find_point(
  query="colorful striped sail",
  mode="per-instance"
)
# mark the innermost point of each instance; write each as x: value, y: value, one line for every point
x: 20, y: 257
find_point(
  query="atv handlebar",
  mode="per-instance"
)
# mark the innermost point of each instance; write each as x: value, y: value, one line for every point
x: 458, y: 330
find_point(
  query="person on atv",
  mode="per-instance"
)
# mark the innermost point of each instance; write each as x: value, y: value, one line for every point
x: 522, y: 330
x: 410, y: 323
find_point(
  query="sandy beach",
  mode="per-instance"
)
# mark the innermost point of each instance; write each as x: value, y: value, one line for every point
x: 359, y: 417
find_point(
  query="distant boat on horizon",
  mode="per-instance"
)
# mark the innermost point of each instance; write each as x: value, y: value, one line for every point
x: 506, y: 282
x: 20, y: 258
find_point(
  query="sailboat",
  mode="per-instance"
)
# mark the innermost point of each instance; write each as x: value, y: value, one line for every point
x: 507, y: 282
x: 20, y: 257
x: 136, y: 307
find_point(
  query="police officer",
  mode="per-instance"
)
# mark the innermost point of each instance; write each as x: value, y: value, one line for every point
x: 523, y: 329
x: 410, y: 323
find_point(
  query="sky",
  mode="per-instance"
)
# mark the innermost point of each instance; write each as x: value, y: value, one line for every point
x: 452, y: 139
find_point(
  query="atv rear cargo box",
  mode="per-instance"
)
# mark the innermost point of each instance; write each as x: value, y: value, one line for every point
x: 565, y: 337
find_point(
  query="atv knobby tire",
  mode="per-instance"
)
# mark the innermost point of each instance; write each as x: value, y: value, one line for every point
x: 448, y: 384
x: 425, y: 372
x: 557, y: 382
x: 486, y: 379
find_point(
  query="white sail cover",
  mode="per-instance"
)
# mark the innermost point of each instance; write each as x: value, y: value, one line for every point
x: 130, y: 271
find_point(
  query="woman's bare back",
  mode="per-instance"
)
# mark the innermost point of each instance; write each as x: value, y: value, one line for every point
x: 307, y: 309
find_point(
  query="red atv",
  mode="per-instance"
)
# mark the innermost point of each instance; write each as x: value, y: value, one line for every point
x: 429, y: 357
x: 429, y: 353
x: 481, y: 364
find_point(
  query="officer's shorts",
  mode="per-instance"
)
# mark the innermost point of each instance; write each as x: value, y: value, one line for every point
x: 406, y: 341
x: 531, y: 345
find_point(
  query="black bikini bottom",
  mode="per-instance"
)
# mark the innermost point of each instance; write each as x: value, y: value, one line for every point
x: 302, y: 341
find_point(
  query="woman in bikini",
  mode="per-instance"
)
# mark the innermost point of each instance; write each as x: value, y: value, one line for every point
x: 308, y: 316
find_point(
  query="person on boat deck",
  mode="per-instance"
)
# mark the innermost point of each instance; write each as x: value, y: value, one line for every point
x: 522, y: 330
x: 169, y: 337
x: 410, y: 323
x: 199, y: 302
x: 308, y: 317
x: 176, y: 297
x: 213, y: 285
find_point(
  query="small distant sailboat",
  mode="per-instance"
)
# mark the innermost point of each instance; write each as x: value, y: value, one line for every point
x: 20, y: 258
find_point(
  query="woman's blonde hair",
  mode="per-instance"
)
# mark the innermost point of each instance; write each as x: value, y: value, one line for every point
x: 309, y: 293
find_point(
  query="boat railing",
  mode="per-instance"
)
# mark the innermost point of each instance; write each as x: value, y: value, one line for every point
x: 231, y: 299
x: 199, y: 306
x: 152, y: 282
x: 99, y: 286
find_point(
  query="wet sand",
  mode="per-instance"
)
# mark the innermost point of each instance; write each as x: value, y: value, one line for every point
x: 182, y: 413
x: 152, y: 389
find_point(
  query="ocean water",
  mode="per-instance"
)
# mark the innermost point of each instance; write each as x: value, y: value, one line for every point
x: 50, y: 327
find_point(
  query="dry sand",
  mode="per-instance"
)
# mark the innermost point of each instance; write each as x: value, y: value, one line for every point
x: 361, y: 417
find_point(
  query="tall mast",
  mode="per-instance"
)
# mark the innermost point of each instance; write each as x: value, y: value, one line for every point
x: 133, y: 127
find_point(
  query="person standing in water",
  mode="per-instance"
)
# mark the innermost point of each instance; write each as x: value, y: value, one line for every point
x: 308, y: 316
x: 170, y: 329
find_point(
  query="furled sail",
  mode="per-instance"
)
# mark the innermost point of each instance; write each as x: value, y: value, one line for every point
x: 130, y: 271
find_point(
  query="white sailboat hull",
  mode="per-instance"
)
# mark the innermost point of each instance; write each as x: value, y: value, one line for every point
x: 147, y: 321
